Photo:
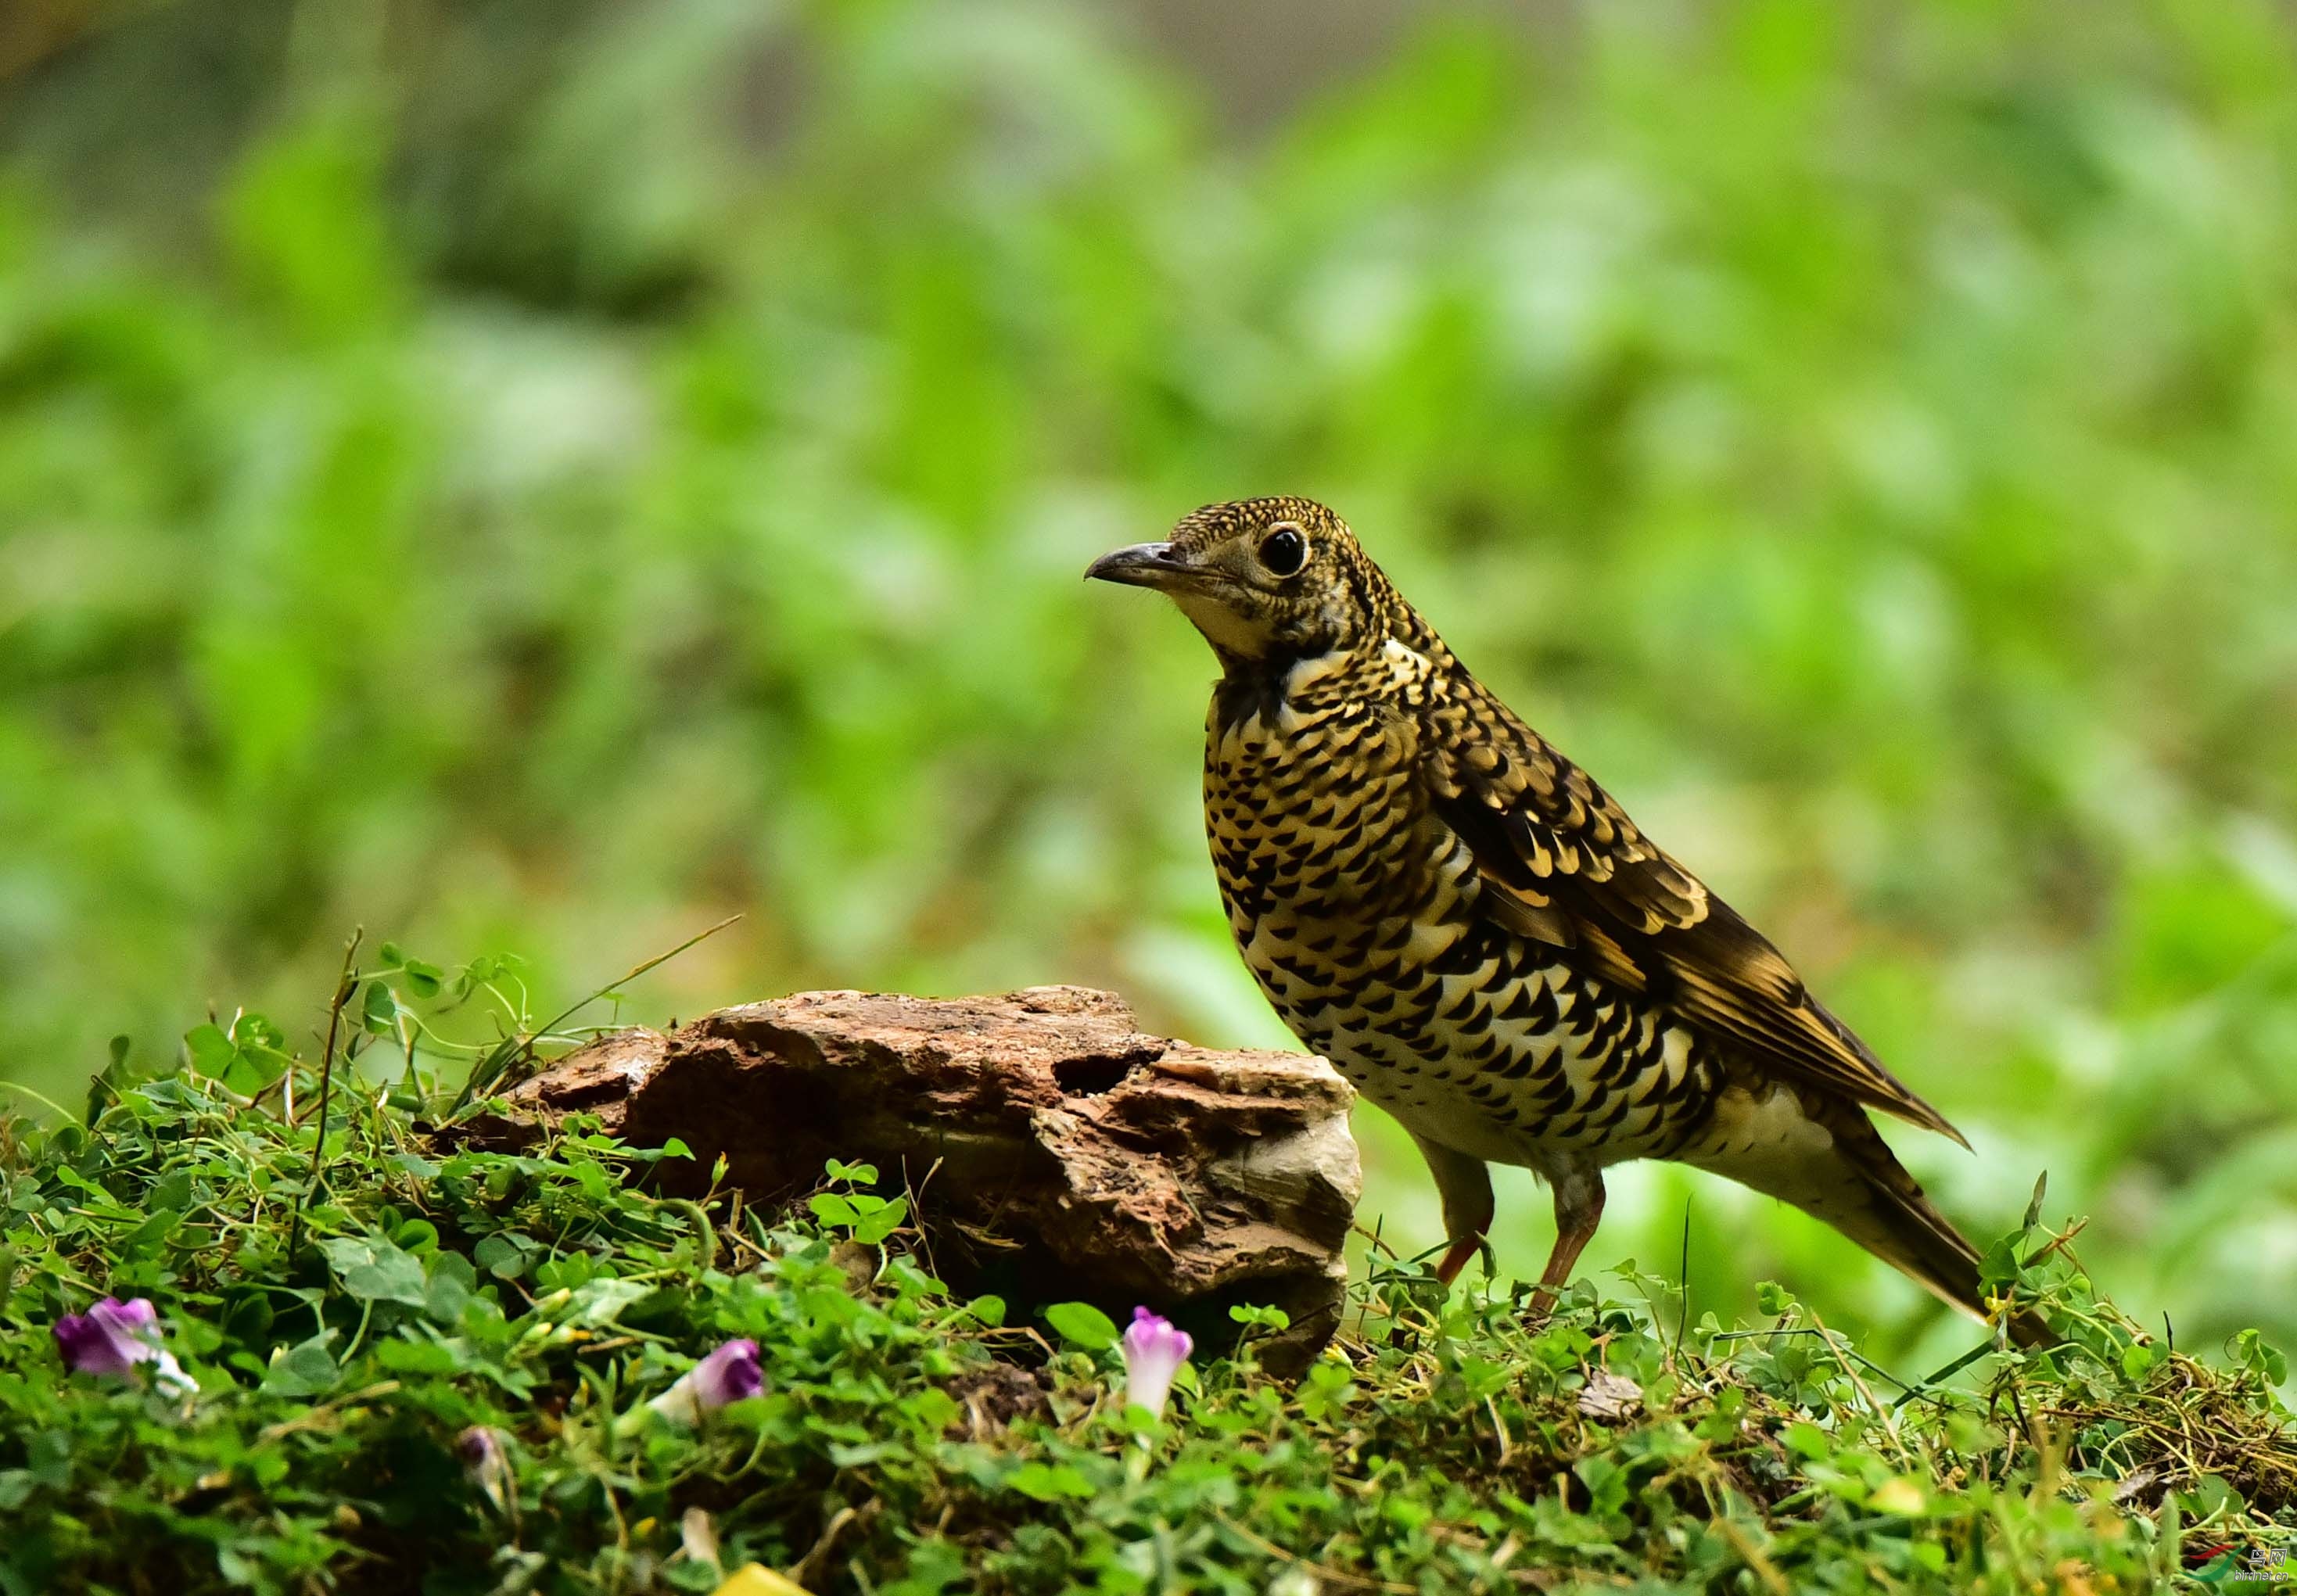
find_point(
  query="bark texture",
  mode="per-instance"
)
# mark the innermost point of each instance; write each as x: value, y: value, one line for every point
x: 1057, y: 1153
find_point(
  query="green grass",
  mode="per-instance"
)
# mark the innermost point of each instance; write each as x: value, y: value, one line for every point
x: 913, y: 1442
x: 524, y: 476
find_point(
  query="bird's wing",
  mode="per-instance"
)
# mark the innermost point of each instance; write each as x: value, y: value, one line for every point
x: 1561, y: 862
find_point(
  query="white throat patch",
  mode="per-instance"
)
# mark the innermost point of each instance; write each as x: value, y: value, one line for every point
x: 1220, y: 625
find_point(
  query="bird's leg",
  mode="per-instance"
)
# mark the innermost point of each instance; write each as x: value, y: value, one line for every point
x: 1462, y: 1252
x: 1578, y: 1210
x: 1466, y: 1188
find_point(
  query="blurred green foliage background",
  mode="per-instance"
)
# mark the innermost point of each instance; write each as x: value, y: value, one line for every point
x: 538, y: 476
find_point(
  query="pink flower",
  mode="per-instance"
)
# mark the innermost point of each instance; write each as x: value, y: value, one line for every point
x: 1154, y: 1352
x: 728, y: 1375
x: 112, y: 1337
x: 481, y: 1450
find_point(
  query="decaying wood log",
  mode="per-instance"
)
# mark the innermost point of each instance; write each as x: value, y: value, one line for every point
x: 1057, y: 1154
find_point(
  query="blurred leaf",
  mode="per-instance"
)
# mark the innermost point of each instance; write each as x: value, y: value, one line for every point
x: 211, y: 1051
x: 379, y: 1010
x: 307, y: 1369
x: 372, y: 1270
x: 1082, y: 1325
x: 2034, y: 1204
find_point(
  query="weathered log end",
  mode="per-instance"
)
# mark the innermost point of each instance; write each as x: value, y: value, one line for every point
x: 1057, y: 1153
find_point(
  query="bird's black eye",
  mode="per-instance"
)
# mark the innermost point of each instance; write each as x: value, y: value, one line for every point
x: 1284, y: 551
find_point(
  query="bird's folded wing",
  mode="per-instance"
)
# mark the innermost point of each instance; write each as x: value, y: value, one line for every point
x: 1562, y: 862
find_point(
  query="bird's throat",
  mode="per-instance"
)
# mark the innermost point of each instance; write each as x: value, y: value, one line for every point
x: 1263, y: 688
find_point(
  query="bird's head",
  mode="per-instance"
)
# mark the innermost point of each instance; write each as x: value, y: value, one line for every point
x: 1262, y: 579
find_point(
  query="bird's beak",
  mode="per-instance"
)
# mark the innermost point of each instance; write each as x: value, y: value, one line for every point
x: 1144, y: 565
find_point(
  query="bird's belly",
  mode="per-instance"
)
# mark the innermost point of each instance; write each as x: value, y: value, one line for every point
x: 1359, y: 917
x: 1491, y: 1048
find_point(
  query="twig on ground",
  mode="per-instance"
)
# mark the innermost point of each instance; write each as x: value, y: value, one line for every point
x: 512, y: 1050
x: 347, y: 984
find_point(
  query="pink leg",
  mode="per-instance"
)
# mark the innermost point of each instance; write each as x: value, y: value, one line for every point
x: 1578, y: 1210
x: 1462, y: 1253
x: 1466, y: 1188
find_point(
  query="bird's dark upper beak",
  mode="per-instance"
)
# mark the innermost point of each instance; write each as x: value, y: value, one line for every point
x: 1144, y: 565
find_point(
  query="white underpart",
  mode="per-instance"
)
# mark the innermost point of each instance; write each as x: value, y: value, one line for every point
x: 1222, y: 625
x: 1306, y: 672
x: 1409, y: 664
x: 1771, y: 1130
x: 1430, y: 941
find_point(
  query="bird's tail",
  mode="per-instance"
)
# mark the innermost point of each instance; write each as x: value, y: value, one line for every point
x: 1839, y: 1169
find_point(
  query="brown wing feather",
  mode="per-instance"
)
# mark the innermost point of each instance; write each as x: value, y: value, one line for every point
x: 1562, y: 862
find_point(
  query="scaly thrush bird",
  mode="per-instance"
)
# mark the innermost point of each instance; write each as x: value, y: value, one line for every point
x: 1479, y: 938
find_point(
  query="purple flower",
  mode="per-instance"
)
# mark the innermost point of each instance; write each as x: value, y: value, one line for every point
x: 482, y: 1452
x: 728, y: 1375
x: 1154, y: 1352
x: 112, y: 1337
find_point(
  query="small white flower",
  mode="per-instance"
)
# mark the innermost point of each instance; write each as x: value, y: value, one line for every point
x: 1295, y: 1581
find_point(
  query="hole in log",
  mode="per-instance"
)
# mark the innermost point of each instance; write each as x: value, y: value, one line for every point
x: 1091, y: 1075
